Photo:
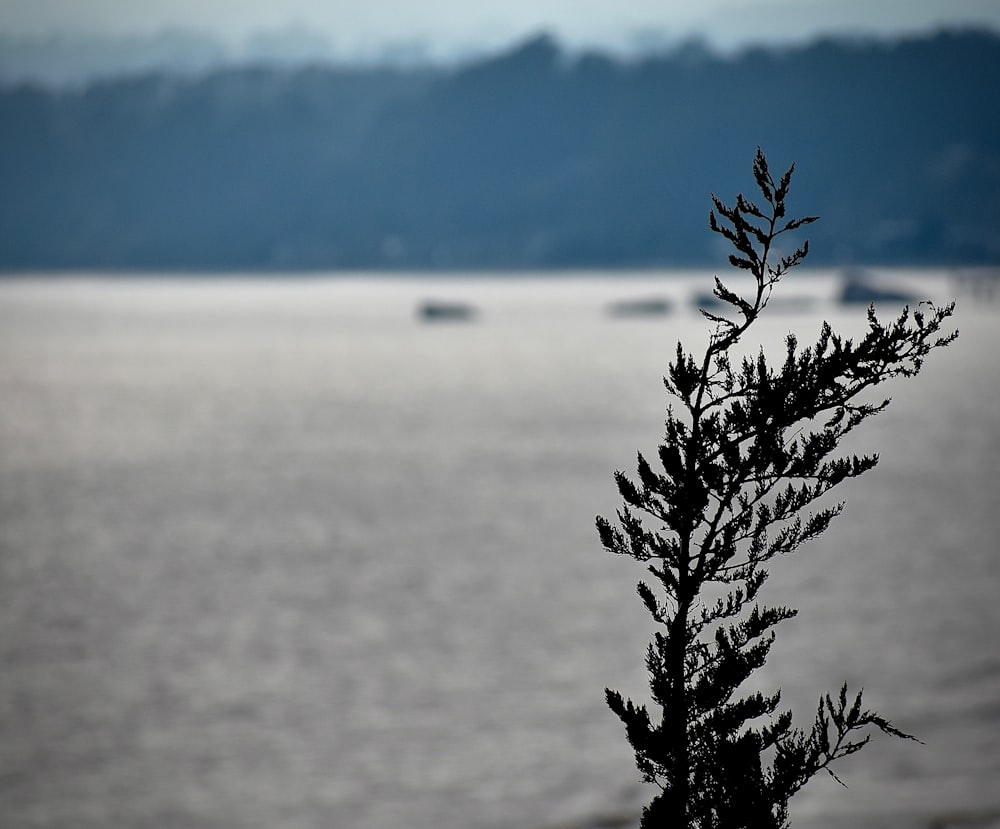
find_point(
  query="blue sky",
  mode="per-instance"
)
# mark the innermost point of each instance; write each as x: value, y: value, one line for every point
x: 352, y: 26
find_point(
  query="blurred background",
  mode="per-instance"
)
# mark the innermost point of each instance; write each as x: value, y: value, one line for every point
x: 323, y: 327
x: 542, y: 135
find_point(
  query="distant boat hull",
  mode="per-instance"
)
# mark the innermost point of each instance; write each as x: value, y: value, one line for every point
x: 859, y: 289
x: 433, y: 311
x: 653, y: 307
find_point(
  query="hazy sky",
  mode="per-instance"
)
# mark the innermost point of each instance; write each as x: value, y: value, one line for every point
x: 472, y: 24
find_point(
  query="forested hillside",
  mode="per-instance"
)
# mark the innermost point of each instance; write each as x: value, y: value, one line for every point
x: 532, y: 158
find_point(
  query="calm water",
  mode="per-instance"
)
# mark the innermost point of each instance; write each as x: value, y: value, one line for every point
x: 281, y: 555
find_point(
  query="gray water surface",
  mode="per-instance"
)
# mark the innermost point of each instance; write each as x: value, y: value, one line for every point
x: 278, y: 554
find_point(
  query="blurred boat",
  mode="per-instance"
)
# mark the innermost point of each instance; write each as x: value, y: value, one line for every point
x: 859, y: 287
x: 650, y: 307
x: 435, y: 311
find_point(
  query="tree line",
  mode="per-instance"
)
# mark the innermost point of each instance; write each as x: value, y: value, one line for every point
x: 527, y: 159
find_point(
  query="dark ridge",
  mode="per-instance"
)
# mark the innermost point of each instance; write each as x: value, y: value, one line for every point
x: 532, y: 158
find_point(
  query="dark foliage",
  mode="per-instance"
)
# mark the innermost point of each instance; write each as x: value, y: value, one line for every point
x: 748, y: 452
x: 527, y: 159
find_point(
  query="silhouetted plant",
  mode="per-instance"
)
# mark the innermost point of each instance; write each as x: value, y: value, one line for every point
x: 745, y: 457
